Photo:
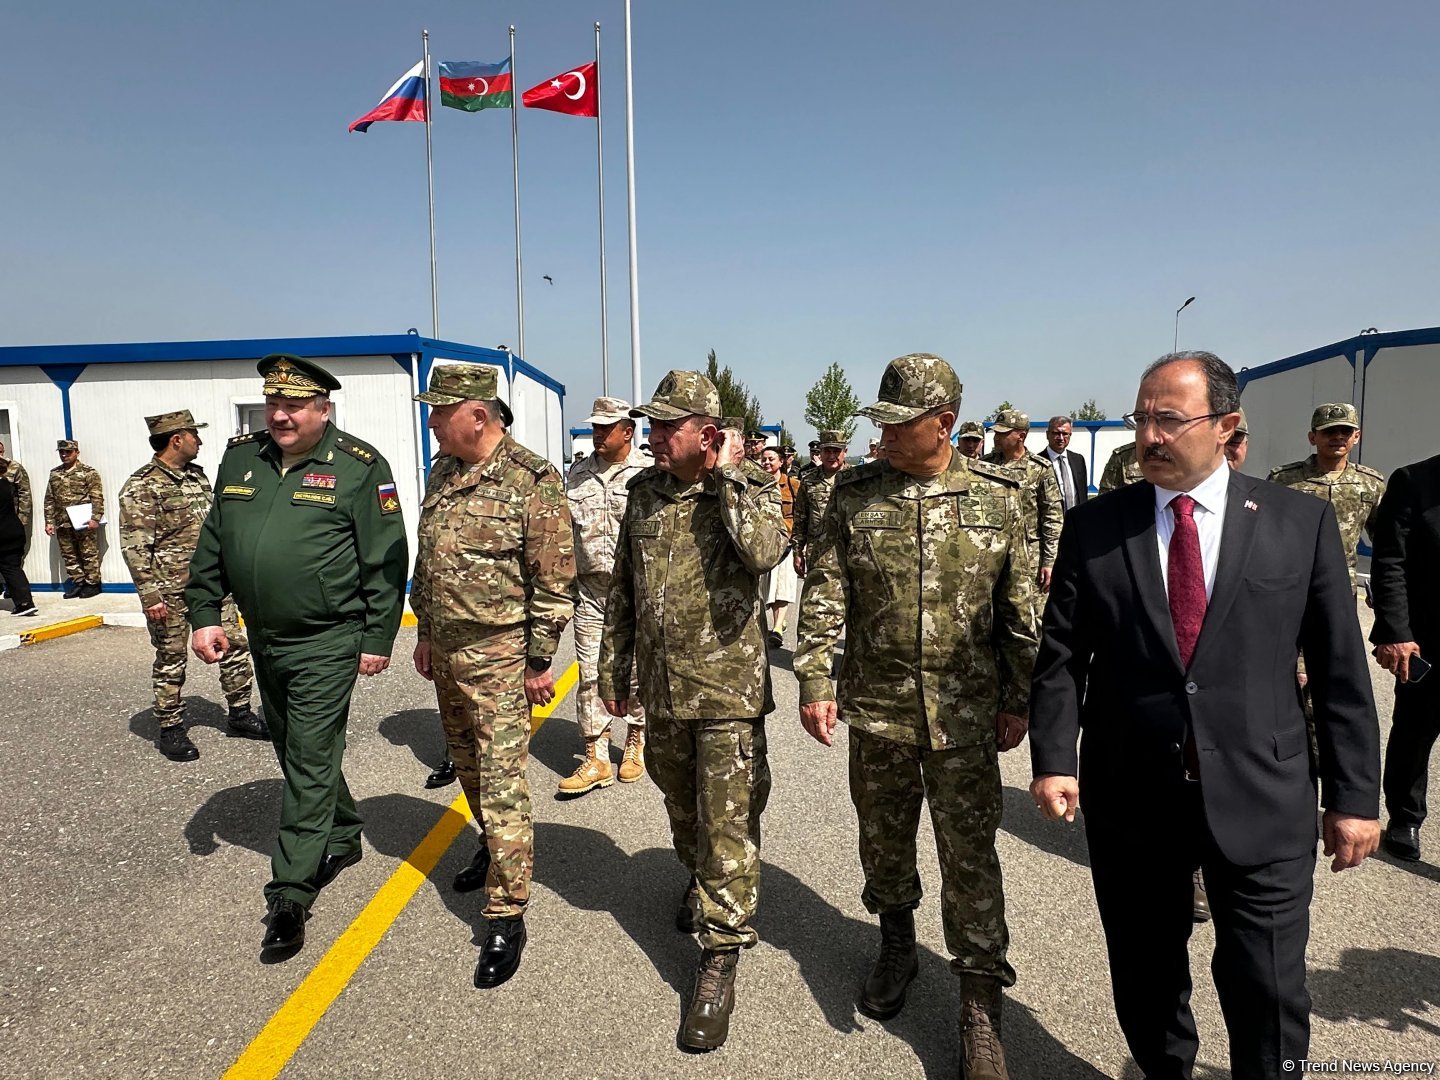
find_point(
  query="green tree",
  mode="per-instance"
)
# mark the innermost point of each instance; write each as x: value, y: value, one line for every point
x: 735, y: 396
x: 1089, y: 411
x: 831, y: 403
x: 998, y: 410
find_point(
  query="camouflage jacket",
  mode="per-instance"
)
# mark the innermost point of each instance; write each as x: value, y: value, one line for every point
x: 161, y: 511
x: 684, y: 609
x: 597, y: 492
x: 933, y: 585
x: 71, y: 487
x: 810, y: 507
x: 1354, y: 492
x: 1044, y: 505
x: 1121, y: 470
x: 24, y: 499
x: 495, y: 549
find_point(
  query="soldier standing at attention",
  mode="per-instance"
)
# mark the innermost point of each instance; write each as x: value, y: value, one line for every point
x: 72, y: 483
x: 306, y: 532
x: 1044, y: 505
x: 924, y: 564
x: 162, y: 507
x: 684, y: 614
x: 814, y: 497
x: 597, y: 490
x: 491, y: 594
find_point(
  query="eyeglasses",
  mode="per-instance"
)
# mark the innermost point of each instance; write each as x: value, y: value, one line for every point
x: 1166, y: 422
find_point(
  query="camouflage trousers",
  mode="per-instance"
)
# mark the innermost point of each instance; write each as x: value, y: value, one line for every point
x: 888, y: 782
x: 80, y: 549
x: 171, y: 638
x: 716, y: 780
x: 589, y: 626
x: 480, y: 684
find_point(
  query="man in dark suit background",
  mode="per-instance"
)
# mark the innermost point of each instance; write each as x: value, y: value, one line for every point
x: 1177, y: 610
x: 1069, y: 466
x: 1405, y: 577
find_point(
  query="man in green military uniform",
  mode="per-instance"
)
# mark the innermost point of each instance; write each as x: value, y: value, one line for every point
x: 685, y: 613
x: 970, y: 440
x: 1044, y: 505
x: 493, y: 574
x: 162, y: 506
x: 1354, y: 490
x: 814, y: 497
x: 306, y: 532
x: 73, y: 483
x: 1121, y: 470
x: 925, y: 565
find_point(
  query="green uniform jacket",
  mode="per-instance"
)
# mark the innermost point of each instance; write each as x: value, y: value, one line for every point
x: 71, y: 487
x: 161, y: 513
x: 1354, y: 492
x: 304, y: 552
x: 1121, y: 470
x: 1044, y: 505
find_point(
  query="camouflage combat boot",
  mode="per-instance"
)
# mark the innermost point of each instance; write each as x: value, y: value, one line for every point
x: 883, y: 994
x: 981, y: 1055
x: 594, y: 770
x: 707, y: 1020
x: 633, y: 765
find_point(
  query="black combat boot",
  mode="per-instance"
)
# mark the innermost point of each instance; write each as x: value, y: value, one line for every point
x: 707, y: 1020
x: 176, y: 745
x: 245, y: 724
x: 883, y: 994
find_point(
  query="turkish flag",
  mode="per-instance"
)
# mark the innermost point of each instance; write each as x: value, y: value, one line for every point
x: 576, y: 92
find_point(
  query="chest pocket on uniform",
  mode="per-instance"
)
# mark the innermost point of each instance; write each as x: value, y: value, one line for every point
x: 491, y: 526
x: 880, y: 545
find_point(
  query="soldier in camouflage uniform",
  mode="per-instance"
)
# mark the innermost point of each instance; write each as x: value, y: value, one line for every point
x: 597, y: 490
x: 925, y: 564
x: 685, y: 614
x: 491, y: 594
x: 814, y: 497
x: 1121, y: 470
x: 970, y: 439
x: 72, y: 482
x: 162, y: 506
x: 1044, y: 505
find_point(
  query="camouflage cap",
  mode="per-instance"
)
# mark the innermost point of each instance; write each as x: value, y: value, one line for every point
x: 1339, y: 414
x: 681, y: 394
x: 170, y: 422
x: 1243, y: 428
x: 735, y: 422
x: 833, y: 439
x: 451, y: 384
x: 971, y: 429
x: 1010, y: 420
x: 608, y: 410
x: 67, y: 444
x: 291, y: 376
x: 912, y: 385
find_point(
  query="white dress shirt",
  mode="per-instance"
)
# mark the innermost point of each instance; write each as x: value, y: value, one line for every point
x: 1061, y: 464
x: 1210, y: 496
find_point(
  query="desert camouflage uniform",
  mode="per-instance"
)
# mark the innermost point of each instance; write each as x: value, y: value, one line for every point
x: 1354, y: 492
x: 597, y: 492
x: 24, y: 499
x: 161, y: 512
x: 685, y: 615
x: 933, y: 584
x: 1121, y: 470
x: 1044, y: 506
x: 493, y: 574
x: 80, y: 548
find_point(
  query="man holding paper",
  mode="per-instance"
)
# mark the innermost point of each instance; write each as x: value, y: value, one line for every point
x: 73, y: 487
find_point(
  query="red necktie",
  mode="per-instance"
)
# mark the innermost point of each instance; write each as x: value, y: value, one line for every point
x: 1186, y: 584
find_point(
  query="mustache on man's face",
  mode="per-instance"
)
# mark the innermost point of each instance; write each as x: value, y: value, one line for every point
x: 1156, y: 453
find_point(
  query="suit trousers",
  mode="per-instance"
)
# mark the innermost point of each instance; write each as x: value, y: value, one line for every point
x: 305, y: 686
x: 1414, y: 728
x: 1142, y: 860
x: 12, y: 572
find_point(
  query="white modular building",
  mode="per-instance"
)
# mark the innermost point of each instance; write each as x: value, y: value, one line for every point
x: 99, y: 395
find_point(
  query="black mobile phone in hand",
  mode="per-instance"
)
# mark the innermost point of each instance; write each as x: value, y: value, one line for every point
x: 1419, y: 668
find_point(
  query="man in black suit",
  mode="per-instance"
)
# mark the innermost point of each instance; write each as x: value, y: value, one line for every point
x: 1177, y: 609
x: 1405, y: 577
x: 1069, y: 466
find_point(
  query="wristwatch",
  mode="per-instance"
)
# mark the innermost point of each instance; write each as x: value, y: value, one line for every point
x: 538, y: 663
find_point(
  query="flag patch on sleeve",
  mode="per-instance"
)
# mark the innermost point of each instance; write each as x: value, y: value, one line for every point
x: 389, y: 499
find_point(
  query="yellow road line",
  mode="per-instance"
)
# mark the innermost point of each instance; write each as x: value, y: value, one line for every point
x: 61, y: 629
x: 277, y: 1042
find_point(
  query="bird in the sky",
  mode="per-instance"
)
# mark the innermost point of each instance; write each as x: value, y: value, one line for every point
x: 550, y: 279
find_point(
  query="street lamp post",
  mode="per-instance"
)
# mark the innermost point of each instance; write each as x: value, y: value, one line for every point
x: 1176, y: 346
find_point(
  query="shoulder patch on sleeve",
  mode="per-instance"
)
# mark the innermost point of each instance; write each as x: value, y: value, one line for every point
x: 994, y: 473
x: 357, y: 450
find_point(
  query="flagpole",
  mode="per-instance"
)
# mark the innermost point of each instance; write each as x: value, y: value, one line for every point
x: 600, y: 178
x: 515, y: 180
x: 430, y: 183
x: 635, y: 383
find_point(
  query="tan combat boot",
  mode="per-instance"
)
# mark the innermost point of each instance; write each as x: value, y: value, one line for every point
x: 981, y: 1055
x: 594, y: 770
x: 633, y: 765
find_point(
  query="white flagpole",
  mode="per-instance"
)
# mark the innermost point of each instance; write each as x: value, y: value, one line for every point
x: 430, y: 182
x: 635, y: 378
x: 600, y: 174
x: 515, y: 180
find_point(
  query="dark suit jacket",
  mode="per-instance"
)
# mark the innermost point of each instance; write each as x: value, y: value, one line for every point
x: 1405, y: 567
x: 1109, y: 665
x: 1077, y: 472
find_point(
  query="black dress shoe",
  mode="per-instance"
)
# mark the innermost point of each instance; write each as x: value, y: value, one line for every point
x: 176, y: 745
x: 246, y: 725
x: 1199, y: 901
x: 330, y: 867
x: 287, y: 925
x: 1403, y: 841
x: 500, y: 951
x: 474, y: 876
x: 442, y: 776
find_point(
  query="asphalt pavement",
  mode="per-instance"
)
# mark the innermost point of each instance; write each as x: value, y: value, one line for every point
x: 129, y: 940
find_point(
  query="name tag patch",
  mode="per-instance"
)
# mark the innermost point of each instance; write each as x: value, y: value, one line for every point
x: 876, y: 519
x: 645, y: 528
x: 389, y: 500
x: 237, y: 491
x: 313, y: 497
x: 318, y: 480
x: 499, y: 494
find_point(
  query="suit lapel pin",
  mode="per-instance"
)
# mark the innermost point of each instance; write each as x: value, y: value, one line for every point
x: 1251, y: 504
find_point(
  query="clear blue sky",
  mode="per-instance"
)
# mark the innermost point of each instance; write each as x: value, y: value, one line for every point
x: 1029, y: 189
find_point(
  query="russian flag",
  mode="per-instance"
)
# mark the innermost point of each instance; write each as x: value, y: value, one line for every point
x: 403, y: 101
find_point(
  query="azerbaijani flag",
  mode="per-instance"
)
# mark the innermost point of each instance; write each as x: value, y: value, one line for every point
x: 403, y: 101
x: 472, y: 86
